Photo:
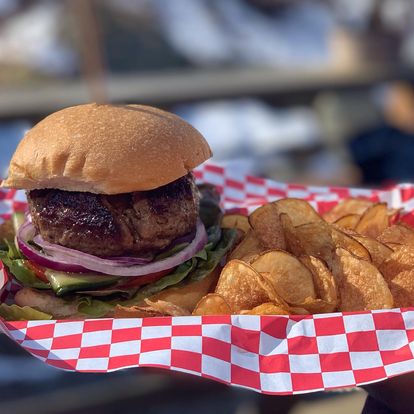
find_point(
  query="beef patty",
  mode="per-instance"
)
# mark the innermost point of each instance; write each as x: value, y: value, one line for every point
x: 138, y: 223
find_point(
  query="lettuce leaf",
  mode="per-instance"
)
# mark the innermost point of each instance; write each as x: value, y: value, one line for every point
x: 17, y: 266
x: 174, y: 250
x: 214, y: 236
x: 94, y: 307
x: 25, y: 313
x: 13, y: 251
x: 204, y: 267
x: 98, y: 308
x: 180, y: 273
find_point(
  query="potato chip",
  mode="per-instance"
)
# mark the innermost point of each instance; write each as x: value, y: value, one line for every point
x: 325, y: 285
x: 135, y: 312
x: 268, y: 308
x: 295, y: 310
x: 317, y: 306
x: 289, y: 277
x: 267, y: 227
x: 393, y: 214
x: 187, y: 295
x: 240, y: 235
x: 361, y: 285
x: 299, y: 211
x: 377, y: 250
x: 348, y: 206
x: 6, y: 231
x: 400, y: 260
x: 350, y: 243
x: 293, y: 244
x: 348, y: 222
x: 249, y: 247
x: 239, y: 285
x: 212, y: 304
x: 267, y: 286
x: 374, y: 221
x: 235, y: 221
x: 398, y: 234
x: 394, y: 246
x: 316, y: 239
x: 402, y: 289
x: 166, y: 308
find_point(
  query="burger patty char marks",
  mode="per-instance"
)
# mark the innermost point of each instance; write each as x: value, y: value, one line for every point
x: 137, y: 223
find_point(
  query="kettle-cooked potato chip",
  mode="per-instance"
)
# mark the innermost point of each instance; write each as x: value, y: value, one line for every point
x: 316, y: 239
x: 325, y: 286
x: 361, y: 285
x: 248, y: 248
x: 402, y: 289
x: 267, y: 227
x: 166, y: 308
x: 6, y: 231
x: 397, y: 234
x: 212, y: 304
x: 135, y: 312
x: 239, y: 284
x: 401, y: 259
x: 348, y: 222
x: 299, y: 211
x: 350, y: 243
x: 290, y: 278
x: 374, y: 221
x: 317, y: 306
x: 293, y: 243
x: 377, y: 250
x: 235, y: 221
x: 347, y: 206
x: 268, y: 308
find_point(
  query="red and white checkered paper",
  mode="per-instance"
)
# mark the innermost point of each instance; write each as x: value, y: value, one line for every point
x: 268, y: 354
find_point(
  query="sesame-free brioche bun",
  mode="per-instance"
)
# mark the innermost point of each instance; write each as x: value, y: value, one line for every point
x: 107, y: 149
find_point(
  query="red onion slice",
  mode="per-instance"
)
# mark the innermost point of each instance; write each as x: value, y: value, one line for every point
x: 57, y: 259
x: 26, y: 232
x: 61, y: 252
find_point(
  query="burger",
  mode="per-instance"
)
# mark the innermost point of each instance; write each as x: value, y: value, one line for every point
x: 115, y: 219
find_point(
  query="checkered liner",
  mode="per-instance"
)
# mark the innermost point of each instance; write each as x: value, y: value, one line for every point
x: 268, y: 354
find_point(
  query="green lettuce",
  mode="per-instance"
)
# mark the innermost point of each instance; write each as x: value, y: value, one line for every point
x: 213, y: 257
x: 174, y: 250
x: 15, y: 263
x: 179, y: 274
x: 93, y: 307
x: 25, y: 313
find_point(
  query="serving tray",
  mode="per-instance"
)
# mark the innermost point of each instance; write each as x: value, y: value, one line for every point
x: 268, y: 354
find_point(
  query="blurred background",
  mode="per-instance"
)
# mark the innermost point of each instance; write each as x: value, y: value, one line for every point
x: 305, y: 91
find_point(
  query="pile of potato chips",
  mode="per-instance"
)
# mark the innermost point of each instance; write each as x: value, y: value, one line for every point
x: 291, y: 260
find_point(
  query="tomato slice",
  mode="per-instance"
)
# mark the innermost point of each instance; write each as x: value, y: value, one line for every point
x: 39, y: 271
x: 143, y: 280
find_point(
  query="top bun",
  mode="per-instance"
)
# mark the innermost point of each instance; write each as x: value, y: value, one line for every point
x: 106, y: 149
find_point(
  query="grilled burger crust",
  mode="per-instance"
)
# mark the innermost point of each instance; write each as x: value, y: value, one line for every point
x: 137, y: 223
